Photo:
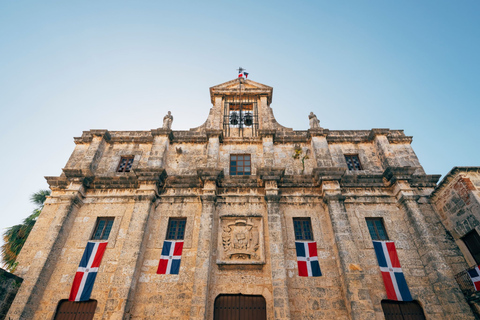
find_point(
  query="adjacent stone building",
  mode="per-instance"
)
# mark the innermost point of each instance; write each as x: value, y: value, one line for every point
x: 243, y: 188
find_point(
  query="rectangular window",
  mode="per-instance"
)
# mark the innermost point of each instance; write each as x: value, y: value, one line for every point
x: 302, y: 228
x: 472, y: 241
x: 240, y: 165
x: 176, y: 229
x: 376, y: 229
x: 353, y: 162
x: 103, y: 228
x: 125, y: 164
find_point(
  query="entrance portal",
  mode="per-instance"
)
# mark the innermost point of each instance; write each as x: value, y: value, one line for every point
x: 239, y: 307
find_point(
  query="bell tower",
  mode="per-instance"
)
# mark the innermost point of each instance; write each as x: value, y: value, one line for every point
x: 241, y: 108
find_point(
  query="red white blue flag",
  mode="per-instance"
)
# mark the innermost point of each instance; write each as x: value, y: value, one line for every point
x: 170, y: 258
x: 475, y: 276
x: 307, y: 259
x: 87, y: 271
x: 392, y: 274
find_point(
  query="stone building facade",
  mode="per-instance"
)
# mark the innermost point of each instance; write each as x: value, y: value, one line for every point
x: 239, y: 234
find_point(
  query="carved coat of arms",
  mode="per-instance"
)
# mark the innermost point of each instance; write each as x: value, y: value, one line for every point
x: 240, y: 239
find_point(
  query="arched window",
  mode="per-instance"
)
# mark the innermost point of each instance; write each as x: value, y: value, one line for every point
x: 75, y: 310
x: 239, y: 306
x: 401, y: 310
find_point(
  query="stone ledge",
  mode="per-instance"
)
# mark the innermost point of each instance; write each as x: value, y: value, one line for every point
x: 328, y: 174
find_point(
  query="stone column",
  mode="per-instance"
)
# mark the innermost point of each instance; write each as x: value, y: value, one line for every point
x: 438, y: 270
x: 122, y: 291
x: 38, y: 259
x: 203, y: 262
x: 354, y: 286
x: 320, y: 149
x: 276, y: 236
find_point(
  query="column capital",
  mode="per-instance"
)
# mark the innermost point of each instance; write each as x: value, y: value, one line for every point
x: 271, y: 173
x: 394, y: 174
x: 378, y: 132
x: 328, y: 174
x: 266, y: 133
x: 328, y: 198
x: 319, y: 132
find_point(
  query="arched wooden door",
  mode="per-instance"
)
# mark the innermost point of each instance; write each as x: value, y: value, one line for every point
x: 399, y: 310
x: 71, y: 310
x: 239, y: 307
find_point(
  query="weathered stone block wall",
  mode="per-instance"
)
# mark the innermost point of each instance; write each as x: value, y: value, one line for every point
x: 313, y: 297
x: 184, y: 158
x: 284, y: 158
x: 9, y: 285
x: 70, y: 255
x: 366, y: 153
x: 458, y: 204
x: 161, y: 296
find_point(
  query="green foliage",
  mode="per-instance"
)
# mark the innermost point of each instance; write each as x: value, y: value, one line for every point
x: 15, y: 236
x: 298, y: 154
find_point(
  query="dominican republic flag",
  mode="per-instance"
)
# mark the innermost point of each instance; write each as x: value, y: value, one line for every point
x: 475, y: 276
x: 170, y: 258
x: 307, y: 259
x: 87, y: 271
x: 392, y: 273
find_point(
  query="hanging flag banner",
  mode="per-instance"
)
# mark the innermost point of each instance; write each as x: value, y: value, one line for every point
x: 307, y: 259
x: 392, y: 274
x: 87, y: 271
x: 170, y: 258
x: 475, y: 277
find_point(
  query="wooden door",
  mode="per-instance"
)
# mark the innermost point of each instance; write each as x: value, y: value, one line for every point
x: 239, y: 307
x: 399, y: 310
x: 72, y: 310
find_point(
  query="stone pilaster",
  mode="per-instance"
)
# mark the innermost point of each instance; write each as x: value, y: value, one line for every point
x: 354, y: 286
x: 267, y: 143
x: 213, y: 147
x: 122, y: 291
x: 320, y: 149
x: 276, y: 236
x: 161, y: 140
x: 438, y: 270
x: 380, y: 140
x: 41, y: 251
x: 94, y: 152
x: 203, y: 262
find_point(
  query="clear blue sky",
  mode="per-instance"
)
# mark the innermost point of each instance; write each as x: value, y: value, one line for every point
x: 66, y: 67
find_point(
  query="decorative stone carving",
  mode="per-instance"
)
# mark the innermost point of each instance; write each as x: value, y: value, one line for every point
x: 240, y: 240
x: 167, y: 121
x: 314, y: 122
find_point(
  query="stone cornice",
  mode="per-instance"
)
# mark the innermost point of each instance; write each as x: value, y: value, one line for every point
x: 209, y: 174
x: 393, y: 174
x: 328, y: 174
x: 87, y: 136
x: 320, y: 132
x: 270, y: 173
x: 450, y: 176
x: 267, y: 133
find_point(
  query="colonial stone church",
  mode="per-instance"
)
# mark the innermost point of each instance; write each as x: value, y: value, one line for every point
x: 241, y: 194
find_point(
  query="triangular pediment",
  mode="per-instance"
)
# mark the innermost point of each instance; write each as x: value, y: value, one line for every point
x: 247, y: 86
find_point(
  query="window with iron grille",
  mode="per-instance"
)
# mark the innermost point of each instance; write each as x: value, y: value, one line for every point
x: 302, y: 228
x: 176, y: 229
x: 125, y: 164
x: 353, y: 162
x: 103, y: 228
x: 376, y: 229
x: 240, y: 165
x: 472, y: 241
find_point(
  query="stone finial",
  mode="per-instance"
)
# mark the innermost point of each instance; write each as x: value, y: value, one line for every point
x: 314, y: 122
x: 167, y: 121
